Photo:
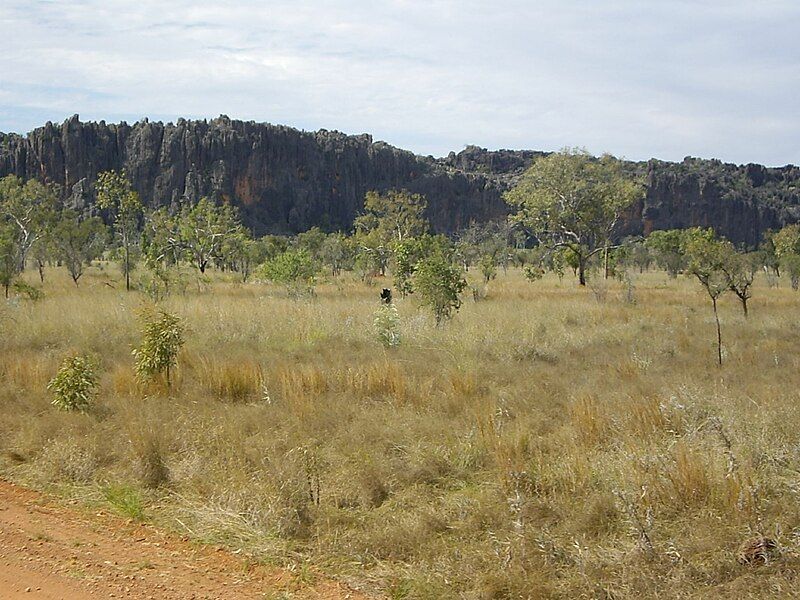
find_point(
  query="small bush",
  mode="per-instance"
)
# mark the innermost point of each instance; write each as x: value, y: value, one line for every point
x: 74, y: 385
x: 294, y: 269
x: 162, y: 338
x: 24, y: 289
x: 439, y: 284
x: 533, y: 273
x: 387, y: 325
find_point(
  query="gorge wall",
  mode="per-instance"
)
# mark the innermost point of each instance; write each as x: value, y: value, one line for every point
x: 286, y: 181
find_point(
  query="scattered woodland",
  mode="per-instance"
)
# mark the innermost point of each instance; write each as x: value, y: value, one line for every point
x: 542, y: 409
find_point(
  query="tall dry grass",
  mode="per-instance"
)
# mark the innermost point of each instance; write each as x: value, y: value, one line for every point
x: 545, y: 443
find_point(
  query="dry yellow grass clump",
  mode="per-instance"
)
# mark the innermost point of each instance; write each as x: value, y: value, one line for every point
x: 549, y: 442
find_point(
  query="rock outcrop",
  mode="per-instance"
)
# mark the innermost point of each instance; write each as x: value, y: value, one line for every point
x: 285, y: 180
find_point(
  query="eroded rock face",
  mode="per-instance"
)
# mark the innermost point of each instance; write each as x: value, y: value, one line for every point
x: 287, y: 181
x: 284, y: 180
x: 739, y: 202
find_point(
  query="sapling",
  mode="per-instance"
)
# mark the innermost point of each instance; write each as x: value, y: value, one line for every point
x: 74, y: 386
x: 162, y: 339
x: 707, y: 259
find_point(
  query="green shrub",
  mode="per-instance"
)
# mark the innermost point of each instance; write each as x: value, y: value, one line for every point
x: 295, y: 269
x: 25, y: 289
x: 387, y: 325
x: 74, y: 385
x: 162, y: 339
x: 439, y: 284
x: 488, y: 266
x: 533, y: 272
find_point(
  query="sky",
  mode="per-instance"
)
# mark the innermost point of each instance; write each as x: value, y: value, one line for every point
x: 636, y: 78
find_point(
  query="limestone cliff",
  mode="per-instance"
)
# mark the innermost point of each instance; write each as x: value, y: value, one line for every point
x: 285, y: 180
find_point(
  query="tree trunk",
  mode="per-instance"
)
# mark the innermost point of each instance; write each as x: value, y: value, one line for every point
x: 744, y: 305
x: 605, y: 263
x: 40, y: 265
x: 582, y: 271
x: 719, y: 332
x: 127, y: 269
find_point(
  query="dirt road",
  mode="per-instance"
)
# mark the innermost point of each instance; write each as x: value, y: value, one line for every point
x: 49, y: 551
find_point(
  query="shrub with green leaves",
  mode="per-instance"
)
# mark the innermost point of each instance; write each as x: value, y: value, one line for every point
x: 294, y: 268
x: 74, y: 386
x: 25, y: 289
x: 162, y: 339
x: 439, y: 284
x: 533, y: 272
x: 488, y: 267
x: 387, y: 325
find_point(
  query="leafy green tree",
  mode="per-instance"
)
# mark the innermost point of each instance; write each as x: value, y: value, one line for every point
x: 534, y: 273
x: 9, y: 261
x: 387, y: 325
x: 274, y: 245
x: 439, y: 283
x: 767, y: 255
x: 203, y: 229
x: 787, y: 250
x: 740, y: 272
x: 43, y: 251
x: 294, y: 269
x: 571, y: 199
x: 30, y: 208
x: 640, y: 257
x: 560, y: 259
x: 395, y: 215
x: 312, y: 240
x: 707, y: 257
x: 75, y: 384
x: 667, y: 249
x: 337, y: 253
x: 494, y: 239
x: 162, y: 339
x: 197, y: 234
x: 115, y: 195
x: 409, y: 252
x: 79, y: 242
x: 373, y: 254
x: 388, y: 218
x: 243, y: 254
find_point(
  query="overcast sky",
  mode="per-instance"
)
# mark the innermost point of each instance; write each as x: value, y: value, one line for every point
x: 637, y: 78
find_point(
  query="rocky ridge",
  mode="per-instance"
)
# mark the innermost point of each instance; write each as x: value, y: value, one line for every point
x: 285, y: 180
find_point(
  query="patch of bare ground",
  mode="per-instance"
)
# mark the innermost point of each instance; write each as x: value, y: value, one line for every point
x: 51, y: 551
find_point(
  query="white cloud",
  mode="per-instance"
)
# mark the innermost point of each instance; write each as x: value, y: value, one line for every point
x: 636, y: 78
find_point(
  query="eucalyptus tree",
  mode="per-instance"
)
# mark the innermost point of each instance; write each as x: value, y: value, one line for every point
x: 388, y: 219
x: 115, y: 194
x: 787, y: 250
x: 30, y: 208
x: 78, y: 242
x: 707, y: 257
x: 573, y: 200
x: 198, y: 233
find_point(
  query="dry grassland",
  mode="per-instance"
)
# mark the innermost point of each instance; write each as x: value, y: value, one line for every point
x: 546, y: 443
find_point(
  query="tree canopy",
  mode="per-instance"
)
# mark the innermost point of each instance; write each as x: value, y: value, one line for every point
x: 572, y: 199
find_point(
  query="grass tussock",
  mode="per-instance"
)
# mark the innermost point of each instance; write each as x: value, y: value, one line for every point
x: 546, y: 443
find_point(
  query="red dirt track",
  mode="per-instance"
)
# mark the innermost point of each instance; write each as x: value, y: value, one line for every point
x: 49, y: 551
